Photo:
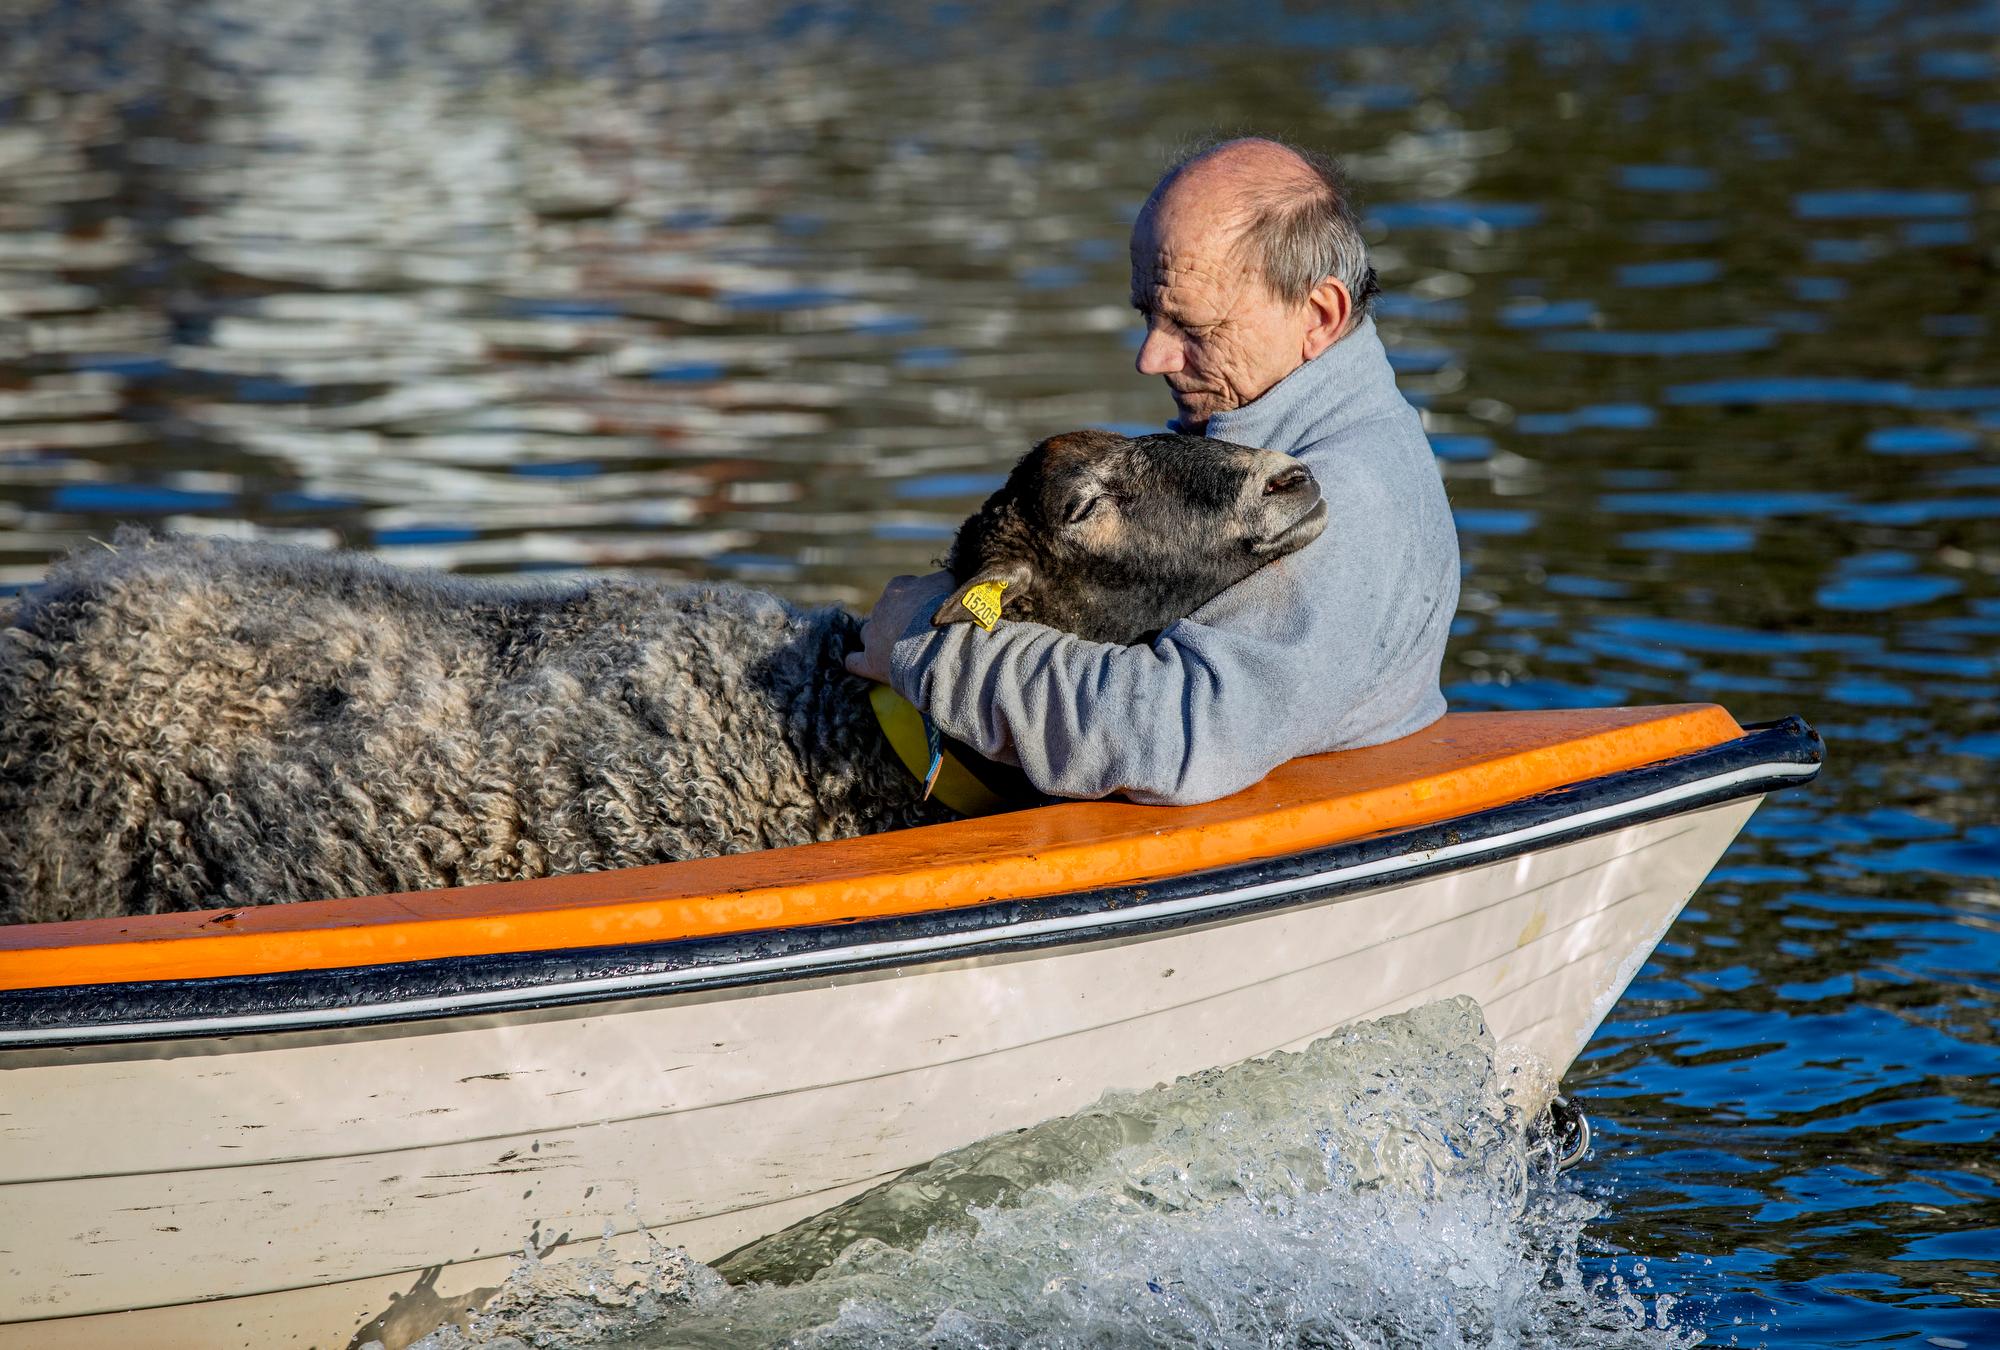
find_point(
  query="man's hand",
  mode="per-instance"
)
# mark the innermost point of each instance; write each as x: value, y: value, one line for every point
x: 906, y: 603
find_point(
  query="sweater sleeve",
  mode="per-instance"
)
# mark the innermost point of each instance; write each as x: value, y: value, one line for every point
x: 1337, y: 645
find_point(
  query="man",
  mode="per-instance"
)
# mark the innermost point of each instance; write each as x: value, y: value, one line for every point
x: 1254, y: 284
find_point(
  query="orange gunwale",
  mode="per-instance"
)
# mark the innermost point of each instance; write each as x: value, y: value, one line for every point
x: 1463, y: 763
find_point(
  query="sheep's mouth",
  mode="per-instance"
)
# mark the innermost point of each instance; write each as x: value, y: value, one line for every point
x: 1295, y: 536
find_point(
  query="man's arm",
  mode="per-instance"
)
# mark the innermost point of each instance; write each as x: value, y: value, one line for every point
x: 1338, y: 645
x: 1087, y: 719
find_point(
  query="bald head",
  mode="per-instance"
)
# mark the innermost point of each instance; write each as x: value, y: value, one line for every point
x: 1286, y: 206
x: 1246, y: 263
x: 1235, y: 172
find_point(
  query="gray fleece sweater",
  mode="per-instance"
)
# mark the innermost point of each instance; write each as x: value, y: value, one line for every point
x: 1336, y: 646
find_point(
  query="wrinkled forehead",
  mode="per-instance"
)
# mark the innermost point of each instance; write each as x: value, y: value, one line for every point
x: 1174, y: 245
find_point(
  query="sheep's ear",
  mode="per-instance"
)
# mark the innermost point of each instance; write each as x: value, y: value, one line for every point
x: 981, y: 599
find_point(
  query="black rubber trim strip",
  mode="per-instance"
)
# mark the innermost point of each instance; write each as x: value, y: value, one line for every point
x: 539, y: 977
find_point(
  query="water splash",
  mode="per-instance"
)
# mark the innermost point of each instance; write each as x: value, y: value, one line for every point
x: 1383, y: 1187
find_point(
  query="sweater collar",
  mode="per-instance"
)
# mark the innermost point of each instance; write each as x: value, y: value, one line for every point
x: 1348, y: 382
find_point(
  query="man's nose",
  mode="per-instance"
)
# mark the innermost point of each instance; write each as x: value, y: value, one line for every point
x: 1159, y: 354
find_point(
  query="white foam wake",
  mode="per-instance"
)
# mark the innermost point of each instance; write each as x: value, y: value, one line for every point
x: 1380, y: 1188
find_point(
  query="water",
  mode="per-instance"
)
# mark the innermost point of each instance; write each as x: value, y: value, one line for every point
x: 1698, y: 300
x: 1414, y: 1209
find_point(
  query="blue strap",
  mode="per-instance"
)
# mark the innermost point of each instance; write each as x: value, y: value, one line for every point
x: 934, y: 742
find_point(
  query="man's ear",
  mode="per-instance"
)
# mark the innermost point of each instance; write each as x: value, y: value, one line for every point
x: 1013, y: 578
x: 1328, y: 307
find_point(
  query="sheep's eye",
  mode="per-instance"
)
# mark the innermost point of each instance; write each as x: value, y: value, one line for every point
x: 1083, y: 509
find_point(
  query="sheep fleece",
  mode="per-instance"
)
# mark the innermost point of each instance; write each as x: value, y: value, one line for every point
x: 187, y: 723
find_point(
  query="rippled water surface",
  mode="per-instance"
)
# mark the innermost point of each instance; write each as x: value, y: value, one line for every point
x: 1698, y: 300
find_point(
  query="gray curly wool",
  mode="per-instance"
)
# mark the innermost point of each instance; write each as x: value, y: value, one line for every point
x: 191, y: 723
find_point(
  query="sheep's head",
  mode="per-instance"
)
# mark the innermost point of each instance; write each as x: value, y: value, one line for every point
x: 1114, y: 538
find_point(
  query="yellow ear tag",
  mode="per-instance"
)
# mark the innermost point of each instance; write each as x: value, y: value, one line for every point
x: 983, y: 603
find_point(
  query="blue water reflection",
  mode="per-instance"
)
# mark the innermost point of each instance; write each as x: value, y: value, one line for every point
x: 1678, y: 272
x: 1697, y: 299
x: 1694, y: 342
x: 1666, y: 178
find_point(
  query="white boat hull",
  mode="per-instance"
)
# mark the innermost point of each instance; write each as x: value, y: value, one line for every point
x: 283, y: 1187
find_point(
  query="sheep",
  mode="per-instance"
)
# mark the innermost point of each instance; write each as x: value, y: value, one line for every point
x: 187, y: 722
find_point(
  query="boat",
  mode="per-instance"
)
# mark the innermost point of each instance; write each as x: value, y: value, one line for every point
x: 324, y: 1123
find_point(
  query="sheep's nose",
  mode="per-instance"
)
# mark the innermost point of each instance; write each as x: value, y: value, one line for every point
x: 1290, y: 478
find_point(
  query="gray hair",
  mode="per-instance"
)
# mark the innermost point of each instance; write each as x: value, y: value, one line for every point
x: 1302, y: 230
